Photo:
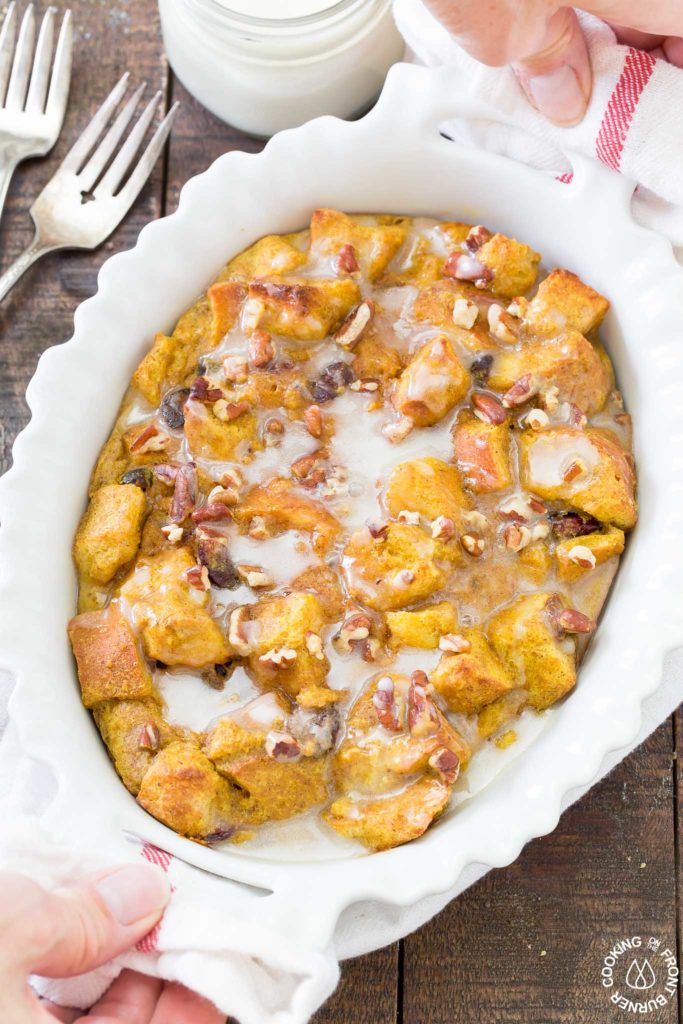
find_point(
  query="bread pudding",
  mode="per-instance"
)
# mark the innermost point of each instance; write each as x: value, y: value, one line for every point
x: 367, y: 499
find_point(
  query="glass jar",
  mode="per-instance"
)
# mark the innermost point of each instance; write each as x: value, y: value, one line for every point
x: 262, y: 74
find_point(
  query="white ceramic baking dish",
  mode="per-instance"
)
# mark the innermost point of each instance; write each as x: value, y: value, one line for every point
x: 392, y: 160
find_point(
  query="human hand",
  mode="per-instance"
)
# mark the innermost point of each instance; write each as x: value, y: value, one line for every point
x: 543, y: 42
x: 75, y: 929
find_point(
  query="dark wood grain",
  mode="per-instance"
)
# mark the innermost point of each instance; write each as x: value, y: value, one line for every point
x: 109, y: 39
x: 524, y: 945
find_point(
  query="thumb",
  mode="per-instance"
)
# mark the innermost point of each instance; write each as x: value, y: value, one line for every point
x: 76, y: 928
x: 557, y: 78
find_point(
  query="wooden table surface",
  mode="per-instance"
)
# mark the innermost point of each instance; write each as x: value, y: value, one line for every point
x: 525, y: 944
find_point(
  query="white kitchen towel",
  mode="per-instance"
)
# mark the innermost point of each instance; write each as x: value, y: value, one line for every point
x: 634, y: 122
x: 211, y: 938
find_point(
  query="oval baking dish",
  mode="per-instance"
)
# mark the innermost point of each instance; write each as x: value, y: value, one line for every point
x: 393, y: 159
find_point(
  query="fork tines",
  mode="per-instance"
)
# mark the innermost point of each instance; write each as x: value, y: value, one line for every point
x: 90, y: 158
x: 30, y: 81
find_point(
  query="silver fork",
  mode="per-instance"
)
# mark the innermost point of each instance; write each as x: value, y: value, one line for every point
x: 85, y: 200
x: 31, y: 115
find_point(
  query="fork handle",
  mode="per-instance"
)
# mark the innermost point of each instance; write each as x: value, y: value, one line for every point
x: 28, y: 257
x: 8, y: 165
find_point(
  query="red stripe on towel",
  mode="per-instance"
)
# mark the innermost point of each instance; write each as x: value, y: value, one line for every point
x: 154, y: 855
x: 638, y: 68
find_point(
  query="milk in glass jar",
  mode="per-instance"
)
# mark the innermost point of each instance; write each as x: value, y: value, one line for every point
x: 263, y: 65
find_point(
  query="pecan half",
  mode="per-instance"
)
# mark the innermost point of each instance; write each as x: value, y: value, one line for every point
x: 184, y: 493
x: 217, y: 512
x: 488, y: 408
x: 166, y: 472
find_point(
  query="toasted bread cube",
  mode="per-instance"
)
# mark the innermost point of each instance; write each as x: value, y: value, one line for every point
x: 535, y: 562
x: 282, y: 624
x: 110, y: 666
x: 432, y: 383
x: 174, y: 621
x: 374, y: 358
x: 482, y: 453
x: 428, y: 486
x: 109, y: 533
x: 394, y: 570
x: 564, y: 302
x: 374, y: 245
x: 420, y: 267
x: 582, y: 374
x: 572, y: 562
x: 390, y: 821
x: 514, y: 265
x: 435, y: 304
x: 184, y: 791
x: 324, y: 582
x: 522, y: 636
x: 153, y: 370
x: 272, y: 254
x: 469, y: 681
x: 494, y: 716
x: 129, y: 729
x: 423, y: 627
x: 587, y: 468
x: 284, y: 508
x: 374, y: 759
x: 171, y: 360
x: 209, y: 437
x: 307, y: 308
x: 226, y: 299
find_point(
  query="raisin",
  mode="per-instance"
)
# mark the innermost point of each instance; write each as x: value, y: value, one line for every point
x: 172, y: 406
x: 141, y: 477
x: 567, y: 525
x: 213, y: 552
x: 481, y: 368
x: 331, y: 381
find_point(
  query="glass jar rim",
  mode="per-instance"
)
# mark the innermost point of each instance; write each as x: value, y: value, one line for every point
x: 335, y: 8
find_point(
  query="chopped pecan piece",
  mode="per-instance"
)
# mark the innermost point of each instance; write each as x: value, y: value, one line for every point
x: 228, y: 411
x: 313, y: 420
x: 521, y: 391
x: 443, y: 528
x: 261, y: 350
x: 202, y: 391
x: 384, y: 703
x: 149, y: 737
x: 446, y: 764
x: 473, y: 545
x: 477, y: 236
x: 467, y: 268
x: 347, y: 261
x: 279, y: 657
x: 358, y: 319
x: 254, y: 576
x: 422, y: 716
x: 150, y: 440
x: 454, y: 643
x: 282, y: 746
x: 217, y: 512
x: 465, y: 313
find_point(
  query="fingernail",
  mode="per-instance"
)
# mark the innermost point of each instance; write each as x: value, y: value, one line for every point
x: 134, y: 892
x: 557, y: 95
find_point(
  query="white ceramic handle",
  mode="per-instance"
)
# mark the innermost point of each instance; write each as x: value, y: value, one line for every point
x: 422, y: 99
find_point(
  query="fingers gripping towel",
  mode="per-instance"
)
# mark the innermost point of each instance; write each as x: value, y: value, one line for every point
x: 634, y: 123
